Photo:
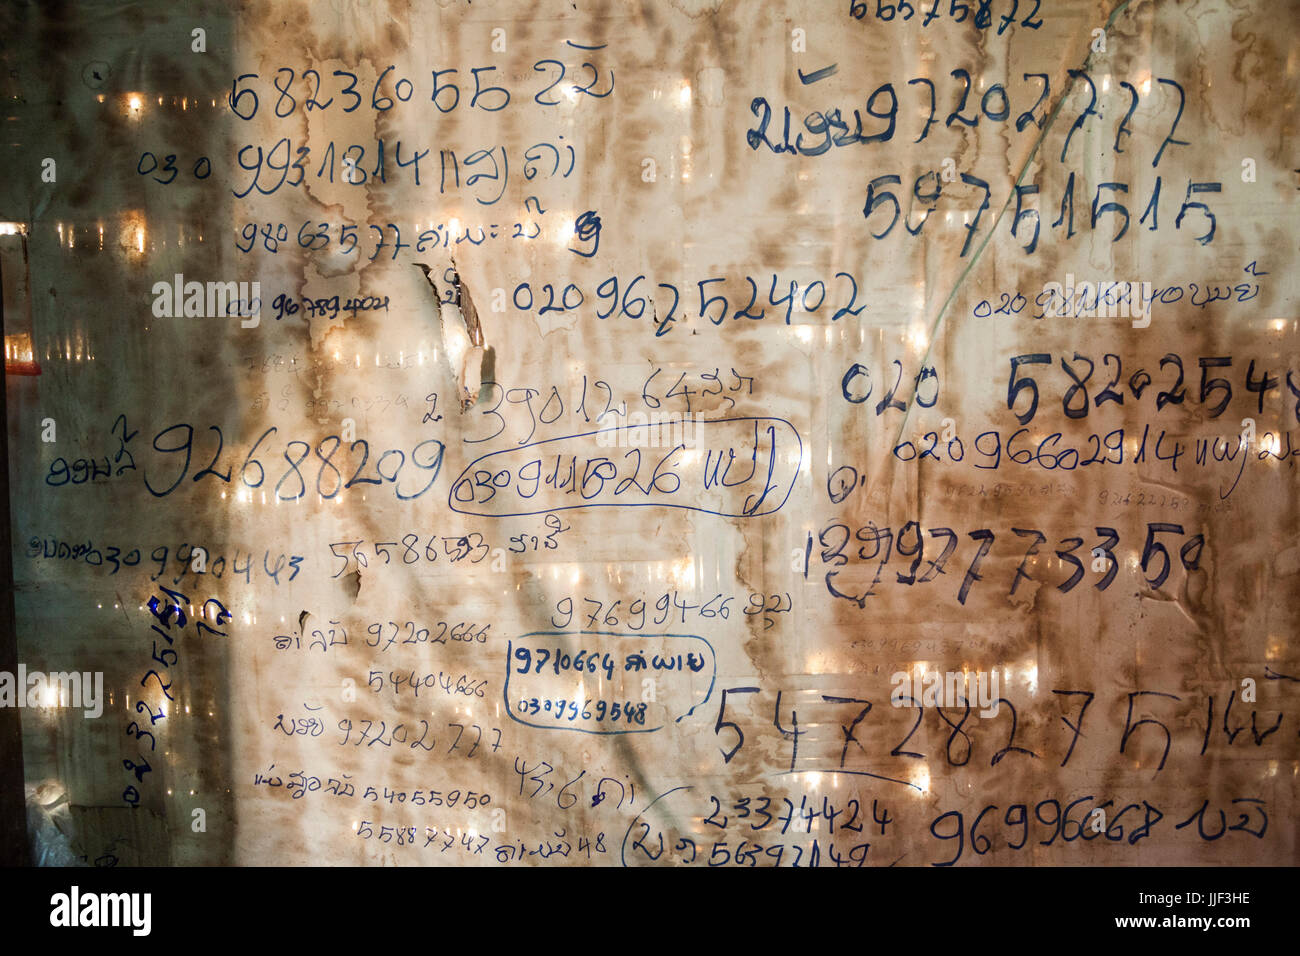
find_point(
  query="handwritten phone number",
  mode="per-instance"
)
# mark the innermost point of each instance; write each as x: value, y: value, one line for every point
x: 443, y: 90
x: 467, y: 547
x: 180, y: 438
x: 571, y: 710
x: 669, y: 603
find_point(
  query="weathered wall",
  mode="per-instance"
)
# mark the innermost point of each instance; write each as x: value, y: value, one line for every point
x: 826, y: 244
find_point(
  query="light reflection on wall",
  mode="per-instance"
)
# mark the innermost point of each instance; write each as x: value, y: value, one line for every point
x: 132, y: 232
